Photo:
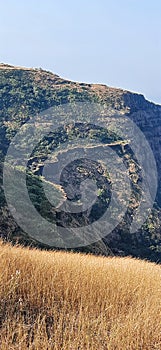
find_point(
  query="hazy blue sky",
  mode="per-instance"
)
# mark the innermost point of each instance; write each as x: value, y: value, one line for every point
x: 117, y: 42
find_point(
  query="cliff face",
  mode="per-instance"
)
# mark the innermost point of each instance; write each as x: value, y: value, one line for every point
x: 147, y: 117
x: 25, y: 92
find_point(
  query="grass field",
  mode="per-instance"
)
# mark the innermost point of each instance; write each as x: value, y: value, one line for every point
x: 67, y: 301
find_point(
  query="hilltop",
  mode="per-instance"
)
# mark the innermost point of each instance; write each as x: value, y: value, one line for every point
x: 120, y: 98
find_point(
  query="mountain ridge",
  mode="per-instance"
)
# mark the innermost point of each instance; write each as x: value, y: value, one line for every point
x: 95, y: 86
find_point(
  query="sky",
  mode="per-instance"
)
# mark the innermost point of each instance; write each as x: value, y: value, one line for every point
x: 116, y: 42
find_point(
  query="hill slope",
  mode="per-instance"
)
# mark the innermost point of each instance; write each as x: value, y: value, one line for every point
x: 26, y: 92
x: 62, y: 301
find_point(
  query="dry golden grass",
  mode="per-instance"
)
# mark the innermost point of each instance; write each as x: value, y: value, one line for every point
x: 66, y: 301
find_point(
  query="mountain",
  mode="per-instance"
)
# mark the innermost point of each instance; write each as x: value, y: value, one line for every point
x: 24, y: 93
